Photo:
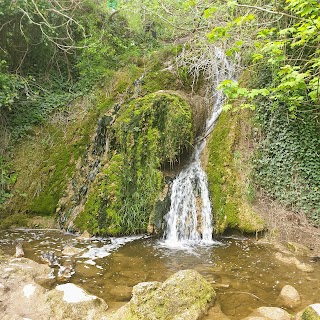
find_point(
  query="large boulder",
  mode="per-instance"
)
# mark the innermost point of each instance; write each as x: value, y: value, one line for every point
x: 186, y: 295
x: 68, y: 301
x: 22, y: 297
x: 289, y: 297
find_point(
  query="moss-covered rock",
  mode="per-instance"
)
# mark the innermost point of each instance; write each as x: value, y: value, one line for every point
x: 185, y: 295
x: 228, y: 170
x: 312, y: 312
x: 148, y: 133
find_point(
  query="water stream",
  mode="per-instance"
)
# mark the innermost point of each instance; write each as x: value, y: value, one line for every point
x: 246, y: 273
x: 189, y: 218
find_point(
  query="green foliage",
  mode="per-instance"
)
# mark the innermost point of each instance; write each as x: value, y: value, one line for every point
x: 12, y: 87
x: 6, y: 180
x: 15, y: 220
x: 46, y: 161
x: 54, y: 51
x: 291, y: 53
x: 284, y: 90
x: 230, y: 195
x: 150, y: 132
x: 287, y: 164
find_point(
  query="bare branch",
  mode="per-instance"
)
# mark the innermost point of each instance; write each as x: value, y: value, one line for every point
x: 269, y: 11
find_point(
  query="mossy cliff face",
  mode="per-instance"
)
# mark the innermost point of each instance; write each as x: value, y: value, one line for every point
x: 46, y: 160
x: 57, y: 164
x: 149, y: 132
x: 228, y: 168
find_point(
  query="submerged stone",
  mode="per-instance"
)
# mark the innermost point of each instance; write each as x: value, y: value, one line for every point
x: 293, y: 260
x: 289, y: 297
x: 269, y: 313
x: 186, y: 295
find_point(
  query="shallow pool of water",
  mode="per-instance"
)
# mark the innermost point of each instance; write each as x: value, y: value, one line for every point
x: 246, y: 274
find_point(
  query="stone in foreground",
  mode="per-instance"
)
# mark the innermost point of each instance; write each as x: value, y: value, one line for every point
x: 289, y: 297
x: 269, y: 313
x: 186, y: 295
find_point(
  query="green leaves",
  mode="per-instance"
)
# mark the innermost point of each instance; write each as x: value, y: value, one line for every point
x: 209, y: 12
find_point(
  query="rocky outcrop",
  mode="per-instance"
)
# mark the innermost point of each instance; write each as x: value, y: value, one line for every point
x: 227, y: 165
x: 22, y: 296
x: 186, y: 295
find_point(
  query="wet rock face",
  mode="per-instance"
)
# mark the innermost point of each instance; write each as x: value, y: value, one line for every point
x: 100, y: 141
x: 87, y: 169
x: 185, y: 295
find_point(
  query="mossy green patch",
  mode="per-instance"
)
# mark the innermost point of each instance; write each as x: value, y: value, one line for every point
x: 310, y: 313
x: 148, y: 133
x: 46, y: 161
x: 229, y: 189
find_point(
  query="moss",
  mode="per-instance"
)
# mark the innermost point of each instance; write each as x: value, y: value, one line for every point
x: 149, y: 132
x: 14, y: 220
x: 46, y: 161
x: 310, y: 314
x: 100, y: 215
x: 160, y: 80
x: 185, y: 295
x: 227, y: 183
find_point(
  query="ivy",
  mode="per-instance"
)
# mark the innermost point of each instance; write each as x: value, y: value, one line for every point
x: 287, y: 164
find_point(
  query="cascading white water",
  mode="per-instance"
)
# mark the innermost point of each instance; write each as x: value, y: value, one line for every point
x: 189, y: 219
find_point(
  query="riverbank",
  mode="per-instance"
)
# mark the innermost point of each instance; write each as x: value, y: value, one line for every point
x: 246, y: 274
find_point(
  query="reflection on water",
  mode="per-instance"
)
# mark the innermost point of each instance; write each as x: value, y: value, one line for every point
x: 246, y: 274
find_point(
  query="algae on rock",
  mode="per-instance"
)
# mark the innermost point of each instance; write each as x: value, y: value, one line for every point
x: 149, y: 132
x: 185, y: 295
x: 228, y: 169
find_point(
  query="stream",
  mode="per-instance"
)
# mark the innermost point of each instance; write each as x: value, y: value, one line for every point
x: 245, y: 272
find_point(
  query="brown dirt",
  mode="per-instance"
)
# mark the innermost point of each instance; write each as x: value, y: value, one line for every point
x: 284, y: 225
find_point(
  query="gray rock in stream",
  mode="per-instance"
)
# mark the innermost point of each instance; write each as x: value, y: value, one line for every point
x: 186, y: 295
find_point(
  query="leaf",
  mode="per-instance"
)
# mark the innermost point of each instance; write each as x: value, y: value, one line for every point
x: 209, y: 12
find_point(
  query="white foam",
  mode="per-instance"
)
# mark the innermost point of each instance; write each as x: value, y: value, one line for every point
x: 28, y: 290
x: 106, y: 250
x: 91, y: 262
x: 74, y: 294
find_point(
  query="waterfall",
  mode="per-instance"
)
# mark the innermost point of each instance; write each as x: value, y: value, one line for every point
x: 189, y: 219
